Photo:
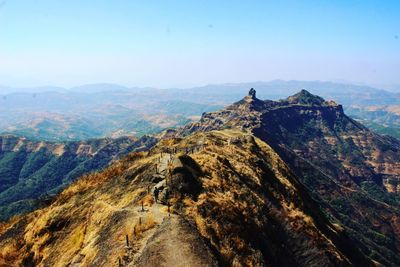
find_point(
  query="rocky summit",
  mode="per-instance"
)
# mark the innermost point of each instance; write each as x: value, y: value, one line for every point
x: 293, y: 182
x: 351, y: 171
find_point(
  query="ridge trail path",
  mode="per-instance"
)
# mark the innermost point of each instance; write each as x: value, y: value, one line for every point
x: 157, y: 213
x: 173, y: 241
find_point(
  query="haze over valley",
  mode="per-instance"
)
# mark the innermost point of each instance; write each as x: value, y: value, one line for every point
x: 107, y: 110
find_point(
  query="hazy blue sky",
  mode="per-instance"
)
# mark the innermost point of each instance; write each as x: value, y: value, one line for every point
x: 179, y: 43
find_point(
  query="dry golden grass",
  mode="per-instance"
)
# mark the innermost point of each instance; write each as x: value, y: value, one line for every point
x: 200, y: 223
x: 86, y: 206
x: 144, y: 224
x: 103, y: 206
x: 5, y: 225
x: 9, y: 253
x: 298, y: 215
x: 127, y: 198
x: 77, y: 236
x: 94, y: 180
x: 168, y: 142
x: 165, y: 209
x: 148, y: 200
x: 231, y: 202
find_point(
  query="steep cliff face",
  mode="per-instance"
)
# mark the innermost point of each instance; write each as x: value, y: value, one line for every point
x: 317, y: 130
x: 353, y: 172
x: 31, y: 170
x: 232, y: 201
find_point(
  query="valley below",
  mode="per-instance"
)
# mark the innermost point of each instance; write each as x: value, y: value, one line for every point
x: 109, y: 110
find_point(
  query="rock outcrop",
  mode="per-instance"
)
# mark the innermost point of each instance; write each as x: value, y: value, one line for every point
x: 349, y: 169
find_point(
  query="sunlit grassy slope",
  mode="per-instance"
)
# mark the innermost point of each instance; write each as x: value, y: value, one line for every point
x: 243, y: 203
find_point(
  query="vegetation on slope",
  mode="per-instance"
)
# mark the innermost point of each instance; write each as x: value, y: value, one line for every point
x: 30, y: 172
x: 241, y: 199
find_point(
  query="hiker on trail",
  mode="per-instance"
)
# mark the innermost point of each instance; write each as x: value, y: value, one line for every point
x: 156, y: 191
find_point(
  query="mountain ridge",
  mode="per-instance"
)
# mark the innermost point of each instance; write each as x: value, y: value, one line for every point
x: 293, y: 182
x: 240, y: 216
x: 333, y: 155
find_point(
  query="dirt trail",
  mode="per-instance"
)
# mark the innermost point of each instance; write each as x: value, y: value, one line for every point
x: 177, y: 244
x: 173, y: 241
x: 158, y: 213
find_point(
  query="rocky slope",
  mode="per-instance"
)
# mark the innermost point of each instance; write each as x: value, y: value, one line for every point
x: 317, y: 130
x: 232, y: 201
x: 351, y: 171
x: 30, y: 171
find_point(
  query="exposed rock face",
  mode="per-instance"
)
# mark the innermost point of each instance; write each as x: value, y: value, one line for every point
x: 313, y: 128
x: 347, y: 167
x: 252, y: 93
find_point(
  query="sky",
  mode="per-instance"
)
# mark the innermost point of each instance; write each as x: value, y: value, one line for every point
x: 169, y: 43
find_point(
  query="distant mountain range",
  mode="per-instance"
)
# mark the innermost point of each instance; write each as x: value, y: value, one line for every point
x: 102, y: 110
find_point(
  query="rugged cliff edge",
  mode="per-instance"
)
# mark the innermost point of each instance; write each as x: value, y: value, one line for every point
x: 351, y: 171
